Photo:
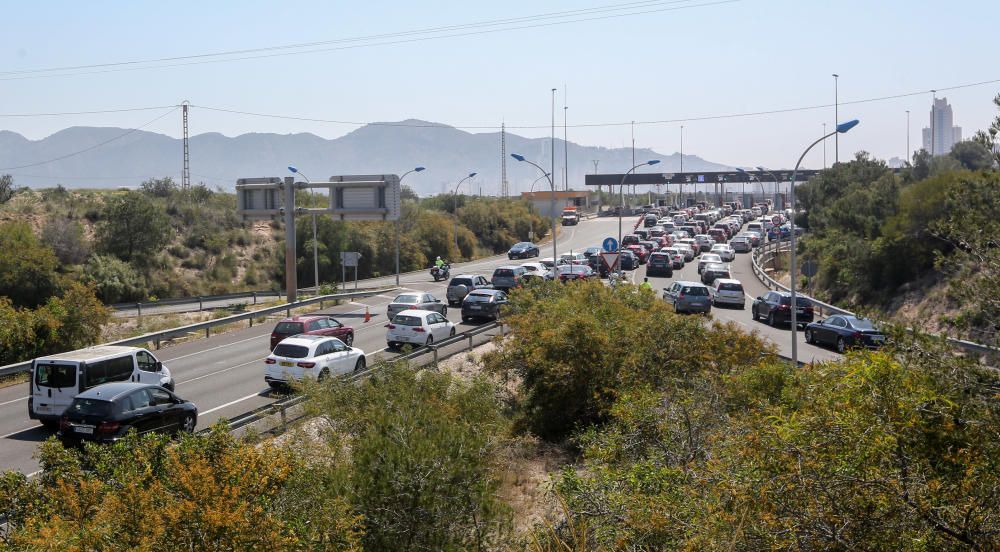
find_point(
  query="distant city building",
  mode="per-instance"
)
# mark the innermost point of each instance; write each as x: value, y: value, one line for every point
x: 945, y: 134
x: 896, y: 163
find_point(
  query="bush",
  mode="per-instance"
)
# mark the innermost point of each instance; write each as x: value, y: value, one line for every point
x: 27, y: 267
x: 115, y: 280
x: 133, y: 227
x: 66, y: 239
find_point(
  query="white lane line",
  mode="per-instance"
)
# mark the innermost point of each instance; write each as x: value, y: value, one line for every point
x: 230, y: 403
x: 220, y: 371
x: 215, y: 348
x: 12, y: 433
x: 24, y: 398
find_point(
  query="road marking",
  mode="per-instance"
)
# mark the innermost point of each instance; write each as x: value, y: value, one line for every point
x: 230, y: 403
x: 24, y: 398
x: 220, y: 371
x: 21, y: 431
x: 215, y: 348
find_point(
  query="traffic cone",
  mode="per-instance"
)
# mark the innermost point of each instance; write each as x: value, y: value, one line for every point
x: 368, y: 315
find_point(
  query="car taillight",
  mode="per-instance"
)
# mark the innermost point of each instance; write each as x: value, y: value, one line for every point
x: 108, y: 427
x: 856, y: 335
x: 419, y: 329
x: 391, y: 326
x: 782, y: 307
x: 809, y: 310
x: 64, y: 423
x: 680, y: 296
x: 306, y: 364
x: 270, y: 361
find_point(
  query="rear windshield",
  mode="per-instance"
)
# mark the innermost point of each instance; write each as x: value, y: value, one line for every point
x: 730, y: 287
x: 460, y: 282
x: 288, y: 328
x: 406, y: 320
x: 695, y: 290
x: 503, y: 272
x: 478, y: 298
x: 862, y: 324
x: 291, y: 351
x: 406, y: 299
x: 55, y: 375
x: 90, y: 407
x: 800, y: 301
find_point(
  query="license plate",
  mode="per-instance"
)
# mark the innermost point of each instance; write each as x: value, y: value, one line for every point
x: 41, y: 408
x: 475, y: 307
x: 878, y: 338
x: 800, y: 311
x: 83, y: 429
x: 286, y: 363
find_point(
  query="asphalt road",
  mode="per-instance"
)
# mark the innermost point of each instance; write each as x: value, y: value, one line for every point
x: 223, y: 375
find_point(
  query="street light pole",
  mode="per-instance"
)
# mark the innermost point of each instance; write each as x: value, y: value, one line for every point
x: 565, y: 150
x: 841, y: 128
x: 455, y: 206
x: 415, y: 169
x: 552, y: 207
x: 836, y: 118
x: 536, y: 181
x: 621, y: 207
x: 907, y: 158
x: 552, y: 147
x: 315, y: 244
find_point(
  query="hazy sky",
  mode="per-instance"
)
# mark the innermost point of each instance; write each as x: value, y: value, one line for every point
x: 707, y: 58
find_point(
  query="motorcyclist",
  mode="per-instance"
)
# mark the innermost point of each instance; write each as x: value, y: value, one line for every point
x: 646, y: 285
x: 438, y: 263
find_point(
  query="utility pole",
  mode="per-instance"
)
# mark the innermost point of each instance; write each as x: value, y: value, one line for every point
x: 836, y: 118
x: 600, y: 189
x: 552, y: 156
x: 681, y: 185
x: 186, y: 171
x: 907, y: 158
x: 824, y: 146
x: 504, y: 189
x: 633, y: 152
x: 565, y: 148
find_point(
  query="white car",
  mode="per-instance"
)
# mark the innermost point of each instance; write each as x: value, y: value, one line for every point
x: 312, y: 356
x: 687, y: 249
x: 537, y: 269
x: 726, y: 291
x: 676, y: 257
x: 417, y: 327
x: 724, y: 252
x: 548, y: 263
x: 708, y: 258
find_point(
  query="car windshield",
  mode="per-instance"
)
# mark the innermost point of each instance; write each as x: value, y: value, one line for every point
x: 288, y: 328
x: 861, y: 324
x: 407, y: 299
x: 460, y: 282
x: 730, y: 287
x: 291, y: 351
x: 522, y: 245
x: 406, y: 320
x: 90, y: 407
x: 478, y: 298
x: 55, y: 375
x: 694, y: 290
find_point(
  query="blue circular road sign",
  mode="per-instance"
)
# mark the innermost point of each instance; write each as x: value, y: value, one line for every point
x: 610, y: 244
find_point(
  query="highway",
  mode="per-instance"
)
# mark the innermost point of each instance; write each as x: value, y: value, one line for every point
x: 223, y: 375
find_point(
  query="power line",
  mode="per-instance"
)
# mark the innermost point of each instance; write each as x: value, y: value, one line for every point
x: 96, y: 112
x: 639, y: 8
x: 95, y: 146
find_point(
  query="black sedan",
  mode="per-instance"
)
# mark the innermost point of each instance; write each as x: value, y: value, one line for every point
x: 843, y: 331
x: 523, y: 250
x: 775, y: 307
x: 483, y: 303
x: 105, y: 413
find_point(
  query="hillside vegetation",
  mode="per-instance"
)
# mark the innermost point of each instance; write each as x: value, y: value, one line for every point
x: 686, y: 436
x: 87, y: 247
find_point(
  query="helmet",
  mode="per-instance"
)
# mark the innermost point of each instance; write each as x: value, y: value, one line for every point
x: 439, y: 258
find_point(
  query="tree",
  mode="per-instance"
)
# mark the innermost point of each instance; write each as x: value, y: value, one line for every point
x: 114, y: 280
x: 65, y: 237
x: 132, y: 227
x: 988, y: 138
x: 159, y: 187
x: 27, y: 267
x: 7, y: 188
x: 74, y: 320
x: 972, y: 155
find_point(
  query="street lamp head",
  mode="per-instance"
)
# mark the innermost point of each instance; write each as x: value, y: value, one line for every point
x: 418, y: 169
x: 844, y: 127
x: 472, y: 174
x: 517, y: 156
x: 652, y: 162
x: 739, y: 170
x: 761, y: 169
x: 292, y: 169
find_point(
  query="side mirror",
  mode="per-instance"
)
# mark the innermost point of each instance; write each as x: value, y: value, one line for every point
x: 386, y: 326
x: 760, y: 298
x: 159, y: 366
x: 437, y: 300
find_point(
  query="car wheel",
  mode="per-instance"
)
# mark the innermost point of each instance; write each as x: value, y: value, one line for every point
x: 323, y: 374
x: 444, y: 311
x: 809, y: 337
x: 841, y: 345
x: 770, y: 319
x: 187, y: 426
x: 274, y: 385
x: 50, y: 425
x: 349, y: 340
x: 676, y: 309
x: 452, y: 333
x: 430, y: 340
x: 465, y: 319
x: 360, y: 365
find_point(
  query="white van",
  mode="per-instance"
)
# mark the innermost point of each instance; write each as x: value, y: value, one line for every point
x: 56, y: 379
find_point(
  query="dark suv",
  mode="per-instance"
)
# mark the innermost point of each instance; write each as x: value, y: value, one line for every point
x: 483, y: 303
x: 660, y: 264
x: 105, y: 413
x: 775, y: 307
x: 312, y: 325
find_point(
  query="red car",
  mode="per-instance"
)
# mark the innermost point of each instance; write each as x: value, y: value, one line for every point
x: 640, y: 252
x: 312, y: 325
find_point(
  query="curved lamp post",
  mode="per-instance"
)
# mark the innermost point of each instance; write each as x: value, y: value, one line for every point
x: 294, y: 170
x: 455, y: 196
x: 414, y: 169
x: 552, y: 206
x: 621, y: 207
x: 765, y: 171
x: 750, y: 177
x: 536, y: 182
x: 841, y: 129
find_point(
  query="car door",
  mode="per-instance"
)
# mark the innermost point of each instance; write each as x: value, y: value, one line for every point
x: 149, y: 367
x: 335, y: 357
x: 835, y: 328
x: 164, y: 416
x: 138, y: 411
x: 337, y: 329
x: 441, y: 330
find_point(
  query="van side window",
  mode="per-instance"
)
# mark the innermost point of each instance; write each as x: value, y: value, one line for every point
x: 146, y: 361
x: 112, y: 369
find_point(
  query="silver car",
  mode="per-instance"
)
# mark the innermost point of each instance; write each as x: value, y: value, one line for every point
x: 462, y: 284
x: 726, y: 291
x: 688, y: 297
x: 741, y: 245
x: 415, y: 301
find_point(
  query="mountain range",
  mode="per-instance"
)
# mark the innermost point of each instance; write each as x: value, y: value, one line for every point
x: 115, y: 157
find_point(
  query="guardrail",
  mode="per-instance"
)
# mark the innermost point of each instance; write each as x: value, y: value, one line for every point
x: 157, y: 337
x: 281, y: 408
x: 201, y: 300
x: 763, y: 255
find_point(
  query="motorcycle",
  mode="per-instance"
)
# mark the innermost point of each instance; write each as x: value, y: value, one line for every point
x: 442, y: 273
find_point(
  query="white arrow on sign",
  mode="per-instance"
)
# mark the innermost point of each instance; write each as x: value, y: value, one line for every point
x: 609, y: 259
